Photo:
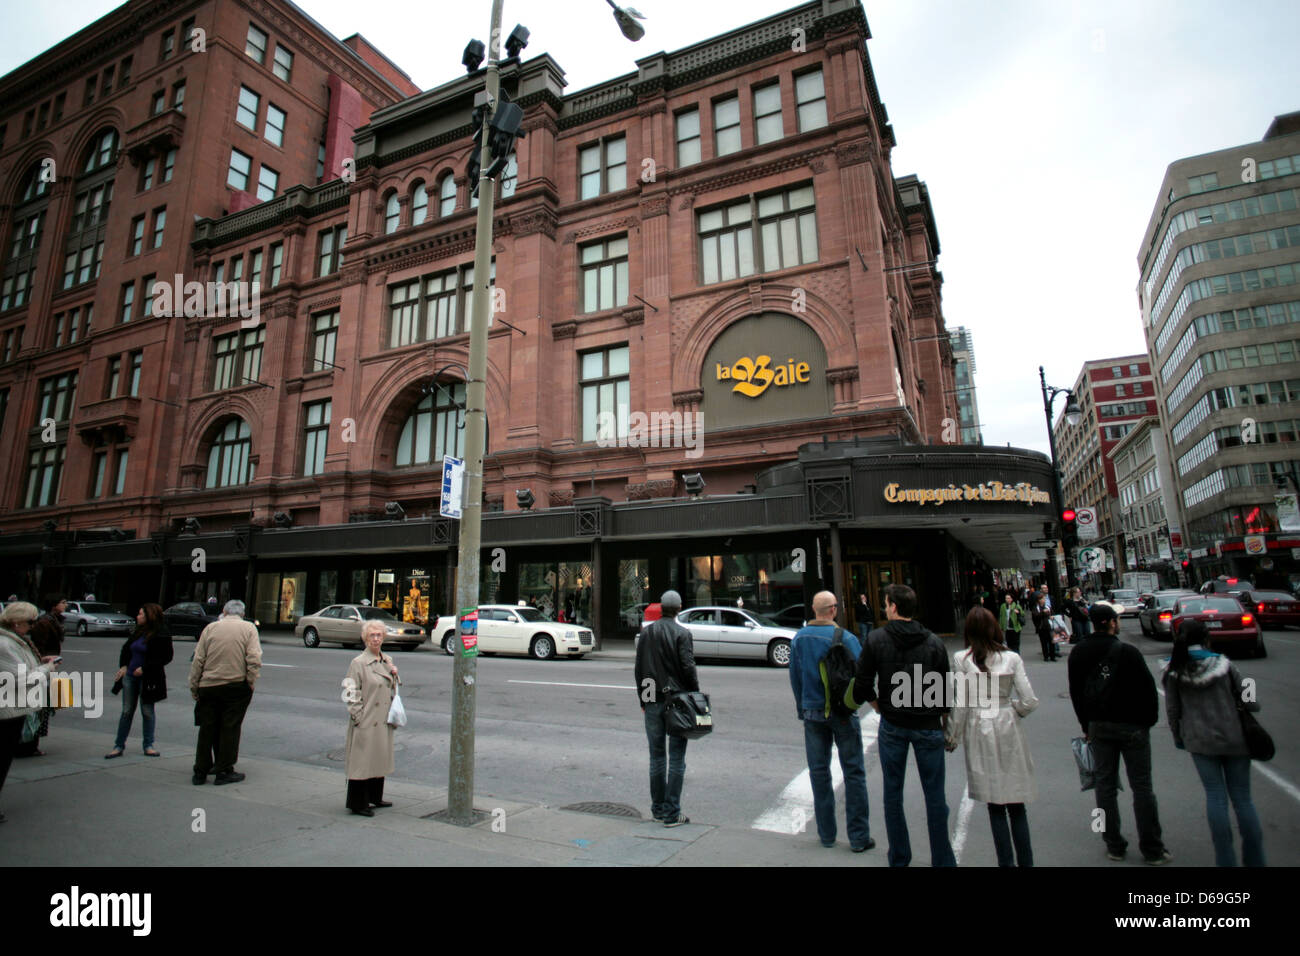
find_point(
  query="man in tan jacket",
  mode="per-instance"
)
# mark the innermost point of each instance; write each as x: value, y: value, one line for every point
x: 226, y: 664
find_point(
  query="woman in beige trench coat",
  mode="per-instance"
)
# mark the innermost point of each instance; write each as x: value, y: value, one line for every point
x: 999, y: 768
x: 368, y: 691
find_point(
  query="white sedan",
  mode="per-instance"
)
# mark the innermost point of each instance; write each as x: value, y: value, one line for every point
x: 509, y: 629
x: 736, y: 633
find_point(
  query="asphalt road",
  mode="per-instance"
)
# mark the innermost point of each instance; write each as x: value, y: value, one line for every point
x: 562, y: 732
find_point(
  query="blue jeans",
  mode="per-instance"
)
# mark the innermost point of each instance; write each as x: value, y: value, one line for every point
x: 893, y: 742
x: 1110, y: 741
x: 818, y: 733
x: 131, y: 687
x: 665, y: 795
x: 1225, y: 777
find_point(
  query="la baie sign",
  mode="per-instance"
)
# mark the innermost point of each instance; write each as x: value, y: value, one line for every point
x: 753, y: 375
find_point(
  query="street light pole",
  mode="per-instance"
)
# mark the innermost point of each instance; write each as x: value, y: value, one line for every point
x: 1072, y: 416
x: 460, y: 777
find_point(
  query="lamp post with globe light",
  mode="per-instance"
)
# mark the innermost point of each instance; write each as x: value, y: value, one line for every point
x: 1073, y: 415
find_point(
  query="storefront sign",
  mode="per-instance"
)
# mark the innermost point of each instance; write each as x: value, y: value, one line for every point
x: 1255, y: 544
x: 1166, y: 553
x: 985, y: 491
x: 753, y: 375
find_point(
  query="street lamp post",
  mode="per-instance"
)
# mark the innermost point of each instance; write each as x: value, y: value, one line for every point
x: 460, y: 779
x: 1072, y: 416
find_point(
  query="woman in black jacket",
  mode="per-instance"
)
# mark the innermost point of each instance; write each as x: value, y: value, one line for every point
x: 1042, y: 619
x: 142, y: 676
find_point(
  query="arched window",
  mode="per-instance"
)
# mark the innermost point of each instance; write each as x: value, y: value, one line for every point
x: 392, y: 214
x: 228, y: 462
x: 84, y: 248
x: 24, y: 240
x: 431, y: 431
x: 447, y: 196
x: 419, y: 205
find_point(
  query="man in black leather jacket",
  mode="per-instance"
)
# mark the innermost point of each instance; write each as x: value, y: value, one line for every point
x: 665, y: 661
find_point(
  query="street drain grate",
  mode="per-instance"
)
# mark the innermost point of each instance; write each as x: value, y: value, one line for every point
x: 605, y: 809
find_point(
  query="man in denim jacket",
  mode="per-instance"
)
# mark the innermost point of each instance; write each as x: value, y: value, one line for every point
x: 821, y: 726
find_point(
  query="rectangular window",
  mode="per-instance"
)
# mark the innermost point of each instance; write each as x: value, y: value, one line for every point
x: 331, y: 246
x: 44, y: 471
x: 137, y: 235
x: 758, y: 234
x: 187, y: 31
x: 688, y: 137
x: 1119, y: 391
x: 86, y: 100
x: 274, y: 125
x: 128, y: 300
x: 317, y: 436
x: 277, y: 263
x: 60, y: 102
x: 158, y: 103
x: 168, y: 46
x: 169, y: 165
x: 124, y: 74
x: 114, y: 377
x: 43, y: 116
x: 226, y: 353
x: 250, y: 347
x: 1133, y: 371
x: 255, y: 269
x: 325, y: 332
x: 147, y: 174
x: 602, y: 167
x: 137, y: 363
x: 246, y: 112
x: 97, y: 471
x: 178, y: 97
x: 58, y: 394
x: 283, y: 66
x: 241, y: 167
x: 255, y: 45
x: 403, y: 314
x: 147, y: 286
x: 236, y: 268
x: 605, y: 393
x: 726, y: 126
x: 440, y: 306
x: 159, y: 225
x: 768, y: 125
x: 119, y: 481
x: 604, y: 274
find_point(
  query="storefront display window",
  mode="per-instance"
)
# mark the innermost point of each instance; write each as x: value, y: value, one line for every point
x: 560, y: 590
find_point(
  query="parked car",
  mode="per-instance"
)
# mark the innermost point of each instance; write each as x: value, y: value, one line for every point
x: 1225, y: 586
x: 188, y: 619
x: 510, y: 629
x: 731, y: 632
x: 96, y: 617
x: 632, y: 616
x: 1126, y: 602
x: 1230, y: 625
x: 1273, y: 608
x: 342, y: 623
x: 795, y: 616
x: 1158, y: 610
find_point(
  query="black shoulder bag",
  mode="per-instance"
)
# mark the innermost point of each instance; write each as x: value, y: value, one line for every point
x: 687, y: 713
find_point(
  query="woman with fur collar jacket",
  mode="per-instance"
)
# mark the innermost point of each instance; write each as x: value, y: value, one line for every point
x: 1201, y: 693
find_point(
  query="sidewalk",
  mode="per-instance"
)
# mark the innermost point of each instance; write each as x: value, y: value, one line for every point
x: 74, y: 808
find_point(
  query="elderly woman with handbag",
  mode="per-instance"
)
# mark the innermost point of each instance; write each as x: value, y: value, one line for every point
x: 142, y: 676
x: 1203, y: 697
x: 25, y: 670
x: 370, y: 691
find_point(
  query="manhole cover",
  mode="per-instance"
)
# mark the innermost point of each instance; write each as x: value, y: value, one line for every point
x: 605, y: 809
x: 441, y: 816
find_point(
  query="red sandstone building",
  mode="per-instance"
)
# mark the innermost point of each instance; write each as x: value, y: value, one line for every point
x: 714, y: 237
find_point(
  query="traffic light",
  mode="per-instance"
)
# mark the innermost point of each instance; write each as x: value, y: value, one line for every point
x: 1186, y: 565
x: 1068, y: 526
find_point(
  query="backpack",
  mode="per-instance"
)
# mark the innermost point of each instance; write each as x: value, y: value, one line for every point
x: 1101, y: 682
x: 838, y: 669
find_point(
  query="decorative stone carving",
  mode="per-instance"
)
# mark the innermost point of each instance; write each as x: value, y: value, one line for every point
x: 845, y: 373
x: 851, y: 154
x: 634, y: 316
x: 818, y: 166
x: 687, y: 201
x: 561, y: 498
x: 691, y: 397
x: 535, y: 221
x: 654, y: 206
x: 655, y: 488
x: 352, y: 273
x: 564, y: 330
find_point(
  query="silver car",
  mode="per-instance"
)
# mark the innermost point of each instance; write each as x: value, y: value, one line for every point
x: 733, y: 632
x: 95, y: 617
x: 1157, y: 612
x: 341, y: 624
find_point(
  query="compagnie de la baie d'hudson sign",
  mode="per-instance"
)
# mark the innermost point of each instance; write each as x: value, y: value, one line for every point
x: 985, y: 491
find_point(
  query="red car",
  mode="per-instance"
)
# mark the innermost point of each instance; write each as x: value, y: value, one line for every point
x: 1273, y: 608
x: 1229, y: 623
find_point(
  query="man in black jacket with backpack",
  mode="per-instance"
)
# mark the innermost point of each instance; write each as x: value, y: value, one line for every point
x: 665, y: 661
x: 903, y: 673
x: 1114, y: 697
x: 820, y: 679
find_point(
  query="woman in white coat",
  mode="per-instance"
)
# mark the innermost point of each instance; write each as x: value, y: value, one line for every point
x: 368, y: 690
x: 999, y: 768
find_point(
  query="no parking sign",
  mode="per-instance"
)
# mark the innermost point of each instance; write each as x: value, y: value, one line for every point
x: 1085, y: 520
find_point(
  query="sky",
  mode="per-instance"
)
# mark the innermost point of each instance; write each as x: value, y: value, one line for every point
x: 1042, y: 129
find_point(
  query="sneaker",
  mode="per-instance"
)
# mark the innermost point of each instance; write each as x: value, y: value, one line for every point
x: 227, y: 778
x: 869, y: 845
x: 1116, y: 855
x: 677, y: 821
x: 1164, y: 857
